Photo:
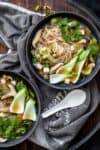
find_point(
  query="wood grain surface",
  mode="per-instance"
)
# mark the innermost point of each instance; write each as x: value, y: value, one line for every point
x: 56, y: 5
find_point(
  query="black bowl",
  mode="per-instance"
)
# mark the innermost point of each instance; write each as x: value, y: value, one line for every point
x: 71, y: 15
x: 34, y: 88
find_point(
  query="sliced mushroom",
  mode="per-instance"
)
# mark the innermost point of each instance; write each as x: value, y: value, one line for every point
x: 4, y: 108
x: 87, y: 31
x: 36, y: 38
x: 12, y: 92
x: 61, y: 70
x: 13, y: 82
x: 3, y: 89
x: 78, y: 45
x: 54, y: 68
x: 8, y: 100
x: 7, y: 78
x: 3, y: 81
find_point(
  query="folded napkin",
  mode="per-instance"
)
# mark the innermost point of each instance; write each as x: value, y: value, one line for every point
x: 57, y: 131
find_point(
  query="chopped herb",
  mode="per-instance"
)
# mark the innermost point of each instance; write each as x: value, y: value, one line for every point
x: 11, y: 128
x: 74, y: 24
x: 37, y: 8
x: 45, y: 9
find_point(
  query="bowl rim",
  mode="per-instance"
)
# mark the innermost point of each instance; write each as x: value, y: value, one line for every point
x: 89, y: 23
x: 38, y: 98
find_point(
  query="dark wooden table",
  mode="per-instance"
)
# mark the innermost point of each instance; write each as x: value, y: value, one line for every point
x: 56, y: 5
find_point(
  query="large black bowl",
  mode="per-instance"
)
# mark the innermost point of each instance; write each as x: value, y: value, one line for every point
x: 34, y: 88
x: 71, y: 15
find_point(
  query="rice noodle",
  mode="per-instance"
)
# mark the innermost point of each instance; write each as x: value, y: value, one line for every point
x: 51, y: 36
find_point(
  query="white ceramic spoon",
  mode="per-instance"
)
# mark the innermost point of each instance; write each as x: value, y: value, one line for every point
x: 72, y: 99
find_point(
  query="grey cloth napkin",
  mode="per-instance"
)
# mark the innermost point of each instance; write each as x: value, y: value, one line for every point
x: 58, y: 131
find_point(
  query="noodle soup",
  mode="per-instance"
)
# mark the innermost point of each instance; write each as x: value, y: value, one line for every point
x: 17, y: 108
x: 64, y: 50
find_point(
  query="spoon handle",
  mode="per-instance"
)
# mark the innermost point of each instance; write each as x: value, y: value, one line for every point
x: 53, y: 110
x: 73, y: 99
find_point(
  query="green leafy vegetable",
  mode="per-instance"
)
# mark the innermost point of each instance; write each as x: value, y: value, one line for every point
x: 20, y: 130
x: 11, y: 128
x: 14, y: 121
x: 62, y: 21
x: 71, y: 64
x: 94, y: 48
x: 56, y: 78
x: 8, y: 126
x: 76, y: 36
x: 30, y: 111
x: 74, y: 24
x: 82, y: 56
x: 18, y: 103
x: 20, y: 85
x: 68, y: 33
x: 79, y: 65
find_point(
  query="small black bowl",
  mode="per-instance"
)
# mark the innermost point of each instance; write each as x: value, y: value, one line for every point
x: 34, y: 88
x: 70, y: 15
